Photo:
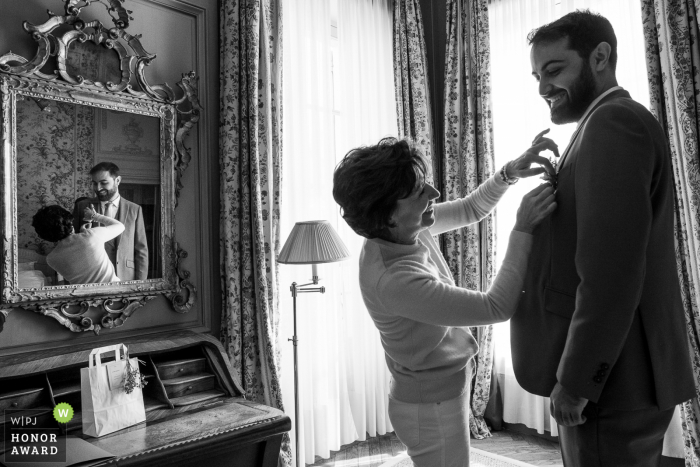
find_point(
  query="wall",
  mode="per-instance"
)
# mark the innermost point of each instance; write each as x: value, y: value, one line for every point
x: 184, y: 37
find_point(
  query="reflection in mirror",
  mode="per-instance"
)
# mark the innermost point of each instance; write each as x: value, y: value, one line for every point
x: 58, y: 145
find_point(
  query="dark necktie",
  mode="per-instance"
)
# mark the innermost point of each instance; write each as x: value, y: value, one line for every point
x: 109, y: 209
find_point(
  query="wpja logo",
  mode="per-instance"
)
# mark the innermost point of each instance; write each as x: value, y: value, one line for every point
x: 63, y: 412
x: 34, y: 436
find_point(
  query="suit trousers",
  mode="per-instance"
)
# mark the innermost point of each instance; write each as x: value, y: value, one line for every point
x: 615, y: 438
x: 435, y: 433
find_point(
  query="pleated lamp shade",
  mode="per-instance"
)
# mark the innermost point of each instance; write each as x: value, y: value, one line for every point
x: 313, y: 242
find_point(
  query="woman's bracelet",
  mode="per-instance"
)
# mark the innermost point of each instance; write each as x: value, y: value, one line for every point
x: 506, y: 179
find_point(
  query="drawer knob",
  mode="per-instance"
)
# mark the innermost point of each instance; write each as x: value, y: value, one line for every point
x: 189, y: 388
x: 14, y: 404
x: 181, y: 369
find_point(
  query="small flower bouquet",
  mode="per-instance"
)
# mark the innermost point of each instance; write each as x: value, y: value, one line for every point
x: 551, y: 178
x: 133, y: 378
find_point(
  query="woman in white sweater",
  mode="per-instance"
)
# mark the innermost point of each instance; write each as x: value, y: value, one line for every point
x: 80, y: 258
x: 409, y: 292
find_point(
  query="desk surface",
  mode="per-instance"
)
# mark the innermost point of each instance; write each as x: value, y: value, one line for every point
x: 222, y: 423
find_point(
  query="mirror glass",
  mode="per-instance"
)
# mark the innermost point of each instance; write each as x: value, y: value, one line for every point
x: 58, y: 143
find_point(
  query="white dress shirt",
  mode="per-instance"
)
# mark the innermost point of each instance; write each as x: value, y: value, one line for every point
x: 113, y: 209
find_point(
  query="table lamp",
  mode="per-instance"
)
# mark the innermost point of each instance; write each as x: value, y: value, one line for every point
x: 310, y: 242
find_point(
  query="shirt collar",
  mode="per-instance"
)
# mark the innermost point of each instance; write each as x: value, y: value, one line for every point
x: 115, y: 202
x: 595, y: 102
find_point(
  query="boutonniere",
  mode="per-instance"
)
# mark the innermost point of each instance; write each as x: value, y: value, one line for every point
x: 552, y: 178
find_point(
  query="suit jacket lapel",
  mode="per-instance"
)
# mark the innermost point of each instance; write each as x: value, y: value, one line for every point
x: 568, y: 147
x: 612, y: 95
x: 120, y: 215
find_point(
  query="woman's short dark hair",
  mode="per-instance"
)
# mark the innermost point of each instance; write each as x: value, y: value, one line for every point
x: 585, y: 31
x: 53, y: 223
x: 369, y: 181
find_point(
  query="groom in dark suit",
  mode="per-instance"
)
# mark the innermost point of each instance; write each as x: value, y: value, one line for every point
x: 600, y: 327
x: 129, y: 251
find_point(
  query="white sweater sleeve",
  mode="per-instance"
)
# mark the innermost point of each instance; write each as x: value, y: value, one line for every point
x: 452, y: 215
x: 111, y: 229
x: 411, y: 291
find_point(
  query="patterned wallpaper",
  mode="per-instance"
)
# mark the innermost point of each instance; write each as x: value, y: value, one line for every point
x: 54, y: 156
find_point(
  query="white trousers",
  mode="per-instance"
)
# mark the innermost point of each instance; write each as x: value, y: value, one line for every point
x: 436, y: 434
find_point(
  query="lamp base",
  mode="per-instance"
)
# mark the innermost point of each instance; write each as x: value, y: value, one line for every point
x: 297, y: 289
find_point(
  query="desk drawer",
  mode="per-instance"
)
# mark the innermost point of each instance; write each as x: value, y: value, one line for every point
x: 189, y: 384
x: 22, y: 399
x: 182, y: 367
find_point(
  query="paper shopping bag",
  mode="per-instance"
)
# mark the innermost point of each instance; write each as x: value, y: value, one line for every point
x: 110, y: 399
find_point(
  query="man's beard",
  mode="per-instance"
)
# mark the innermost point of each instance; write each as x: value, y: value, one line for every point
x: 107, y: 196
x: 580, y: 97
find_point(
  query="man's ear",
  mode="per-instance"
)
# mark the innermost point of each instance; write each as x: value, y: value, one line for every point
x: 600, y: 56
x: 118, y: 180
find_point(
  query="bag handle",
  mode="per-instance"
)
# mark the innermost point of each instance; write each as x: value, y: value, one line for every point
x: 96, y: 353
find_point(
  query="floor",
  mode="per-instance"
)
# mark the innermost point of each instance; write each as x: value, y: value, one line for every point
x: 371, y: 453
x: 523, y: 446
x: 515, y: 443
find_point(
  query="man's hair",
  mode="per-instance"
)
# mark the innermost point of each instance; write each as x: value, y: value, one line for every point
x: 369, y: 181
x: 110, y: 167
x: 585, y: 31
x: 53, y: 223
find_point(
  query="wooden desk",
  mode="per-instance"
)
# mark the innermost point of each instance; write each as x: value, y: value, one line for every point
x: 196, y: 414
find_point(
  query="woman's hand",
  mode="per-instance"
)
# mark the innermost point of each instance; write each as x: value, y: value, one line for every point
x: 88, y: 213
x: 534, y: 208
x: 520, y: 167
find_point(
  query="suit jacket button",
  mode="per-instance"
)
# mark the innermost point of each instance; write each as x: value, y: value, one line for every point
x: 604, y: 366
x: 598, y: 379
x: 601, y: 373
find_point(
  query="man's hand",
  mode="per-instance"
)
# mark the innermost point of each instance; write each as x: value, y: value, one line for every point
x: 565, y: 407
x: 520, y: 167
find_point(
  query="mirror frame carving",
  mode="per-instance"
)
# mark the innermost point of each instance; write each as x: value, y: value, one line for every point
x: 92, y: 307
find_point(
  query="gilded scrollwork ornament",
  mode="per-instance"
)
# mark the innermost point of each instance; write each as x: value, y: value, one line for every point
x: 184, y: 297
x: 108, y: 313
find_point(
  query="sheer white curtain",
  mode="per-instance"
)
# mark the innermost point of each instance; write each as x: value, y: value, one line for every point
x: 338, y: 94
x: 519, y: 114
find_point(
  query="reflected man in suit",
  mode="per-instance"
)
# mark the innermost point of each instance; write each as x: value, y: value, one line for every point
x: 600, y: 327
x: 129, y: 251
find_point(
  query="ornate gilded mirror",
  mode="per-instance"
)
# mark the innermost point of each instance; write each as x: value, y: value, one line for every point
x: 85, y: 133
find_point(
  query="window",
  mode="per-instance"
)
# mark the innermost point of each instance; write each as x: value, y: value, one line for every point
x: 338, y: 95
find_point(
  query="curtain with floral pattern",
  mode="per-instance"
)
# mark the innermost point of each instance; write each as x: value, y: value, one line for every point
x: 250, y: 158
x: 411, y: 81
x: 467, y: 163
x: 673, y: 58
